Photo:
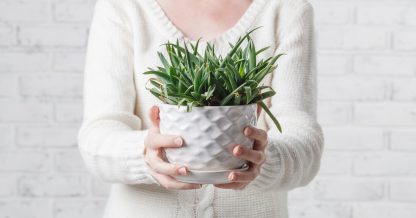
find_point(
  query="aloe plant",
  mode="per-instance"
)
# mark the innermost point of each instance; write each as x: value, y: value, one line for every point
x: 190, y: 78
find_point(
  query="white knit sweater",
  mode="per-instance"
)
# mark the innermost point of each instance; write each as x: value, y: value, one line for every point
x: 124, y: 38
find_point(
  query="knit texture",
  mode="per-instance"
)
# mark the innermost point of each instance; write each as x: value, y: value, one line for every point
x: 123, y: 40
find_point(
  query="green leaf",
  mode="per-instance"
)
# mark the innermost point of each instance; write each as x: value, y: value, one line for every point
x: 163, y: 59
x: 266, y: 109
x: 262, y: 50
x: 247, y: 91
x: 163, y: 76
x: 252, y: 53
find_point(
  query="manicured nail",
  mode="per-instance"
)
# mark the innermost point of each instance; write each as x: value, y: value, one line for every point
x: 238, y: 150
x: 248, y: 131
x: 178, y: 141
x: 182, y: 171
x: 231, y: 176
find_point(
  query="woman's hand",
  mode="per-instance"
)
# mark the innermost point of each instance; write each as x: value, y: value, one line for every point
x: 255, y: 157
x: 161, y: 170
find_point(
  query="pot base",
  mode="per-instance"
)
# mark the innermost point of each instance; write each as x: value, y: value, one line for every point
x: 208, y: 176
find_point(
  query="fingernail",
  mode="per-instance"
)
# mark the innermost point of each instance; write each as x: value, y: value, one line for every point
x: 238, y: 150
x: 178, y: 141
x: 231, y: 177
x: 182, y: 171
x: 248, y: 131
x: 198, y: 186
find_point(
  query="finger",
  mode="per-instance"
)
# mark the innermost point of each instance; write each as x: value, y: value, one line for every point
x: 172, y: 184
x: 244, y: 176
x: 259, y: 146
x: 256, y: 134
x: 257, y: 157
x: 162, y: 167
x: 157, y: 140
x: 154, y: 116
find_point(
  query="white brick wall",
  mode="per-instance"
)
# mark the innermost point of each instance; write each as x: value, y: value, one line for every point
x: 367, y: 107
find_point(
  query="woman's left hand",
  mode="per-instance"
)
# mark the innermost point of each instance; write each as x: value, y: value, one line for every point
x: 255, y: 157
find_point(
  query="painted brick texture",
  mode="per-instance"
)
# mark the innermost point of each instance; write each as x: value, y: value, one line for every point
x: 366, y: 105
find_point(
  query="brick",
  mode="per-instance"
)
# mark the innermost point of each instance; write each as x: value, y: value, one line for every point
x: 100, y: 188
x: 349, y: 189
x: 7, y: 186
x: 8, y: 85
x: 53, y: 186
x: 33, y: 62
x: 53, y: 36
x: 331, y: 65
x: 351, y: 88
x: 403, y: 190
x: 333, y: 113
x: 404, y: 40
x: 333, y: 12
x: 385, y: 65
x: 321, y: 210
x: 6, y: 136
x: 25, y: 11
x: 38, y: 136
x: 34, y: 208
x: 69, y: 112
x: 79, y: 209
x: 385, y: 164
x: 73, y: 11
x: 404, y: 89
x: 385, y: 113
x: 69, y: 161
x: 404, y: 140
x: 7, y: 35
x: 12, y: 161
x: 384, y: 210
x: 12, y: 111
x: 336, y: 163
x: 69, y: 62
x: 301, y: 194
x: 387, y: 13
x: 347, y: 38
x: 52, y: 86
x: 353, y: 138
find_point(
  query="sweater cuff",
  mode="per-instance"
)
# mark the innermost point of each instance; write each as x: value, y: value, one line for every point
x: 118, y: 157
x: 272, y: 169
x: 137, y: 169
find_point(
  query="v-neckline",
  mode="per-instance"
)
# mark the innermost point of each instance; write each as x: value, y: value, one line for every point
x: 238, y: 29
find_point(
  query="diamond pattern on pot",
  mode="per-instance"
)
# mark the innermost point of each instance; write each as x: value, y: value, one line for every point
x: 209, y: 134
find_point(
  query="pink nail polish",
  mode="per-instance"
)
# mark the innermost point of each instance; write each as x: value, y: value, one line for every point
x: 238, y: 150
x: 231, y: 177
x: 182, y: 171
x: 178, y: 141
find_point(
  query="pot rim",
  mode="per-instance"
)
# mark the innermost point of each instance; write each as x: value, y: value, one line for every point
x: 207, y: 106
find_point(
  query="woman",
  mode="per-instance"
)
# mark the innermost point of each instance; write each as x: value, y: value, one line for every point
x: 120, y: 140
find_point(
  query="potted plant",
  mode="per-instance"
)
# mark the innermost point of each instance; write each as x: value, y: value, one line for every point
x: 208, y: 100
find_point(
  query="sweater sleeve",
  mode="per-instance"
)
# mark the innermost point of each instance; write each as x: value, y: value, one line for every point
x: 293, y: 156
x: 110, y: 138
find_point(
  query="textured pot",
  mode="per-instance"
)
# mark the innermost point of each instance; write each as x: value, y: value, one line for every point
x: 209, y: 134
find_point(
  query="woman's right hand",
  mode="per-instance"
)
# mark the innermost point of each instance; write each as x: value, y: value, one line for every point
x: 154, y: 157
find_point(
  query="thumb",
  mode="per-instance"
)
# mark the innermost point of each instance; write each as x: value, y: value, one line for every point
x: 154, y: 116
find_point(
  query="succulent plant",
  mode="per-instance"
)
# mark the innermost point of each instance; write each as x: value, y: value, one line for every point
x: 190, y: 79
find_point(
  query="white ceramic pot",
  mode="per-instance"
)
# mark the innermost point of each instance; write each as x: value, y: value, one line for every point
x: 209, y: 133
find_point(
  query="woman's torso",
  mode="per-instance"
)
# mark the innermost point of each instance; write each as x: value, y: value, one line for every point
x: 150, y: 28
